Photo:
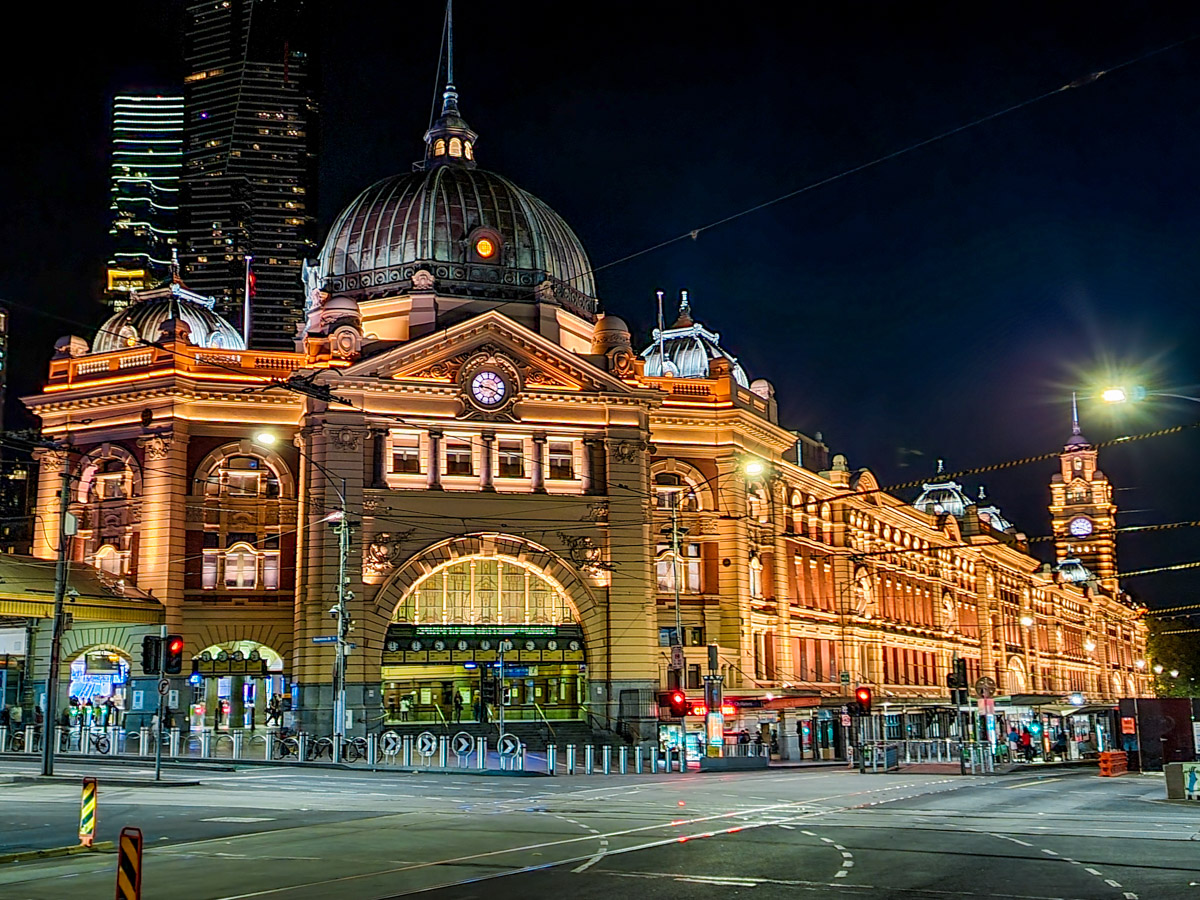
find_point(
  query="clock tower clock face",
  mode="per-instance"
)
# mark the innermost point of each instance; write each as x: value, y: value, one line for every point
x: 1080, y: 527
x: 489, y: 388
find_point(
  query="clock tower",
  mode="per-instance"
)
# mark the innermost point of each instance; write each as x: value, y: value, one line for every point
x: 1082, y: 511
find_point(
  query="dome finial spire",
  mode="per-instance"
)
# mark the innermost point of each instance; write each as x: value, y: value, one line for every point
x: 1074, y: 414
x: 449, y: 140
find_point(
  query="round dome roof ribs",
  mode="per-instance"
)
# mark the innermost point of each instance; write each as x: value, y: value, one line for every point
x: 685, y: 349
x: 144, y: 320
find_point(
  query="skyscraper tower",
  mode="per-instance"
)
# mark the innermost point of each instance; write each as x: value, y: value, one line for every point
x: 1082, y: 512
x: 249, y: 183
x: 147, y: 161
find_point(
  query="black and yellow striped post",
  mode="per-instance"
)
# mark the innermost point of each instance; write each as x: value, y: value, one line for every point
x: 87, y: 812
x: 129, y: 865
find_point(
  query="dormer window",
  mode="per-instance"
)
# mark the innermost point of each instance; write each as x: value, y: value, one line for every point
x: 456, y: 147
x: 439, y: 147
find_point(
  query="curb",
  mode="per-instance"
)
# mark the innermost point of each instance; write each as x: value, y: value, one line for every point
x: 53, y: 852
x: 111, y: 782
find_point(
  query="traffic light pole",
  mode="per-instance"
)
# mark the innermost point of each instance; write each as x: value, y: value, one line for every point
x: 339, y: 703
x: 162, y: 699
x: 60, y: 591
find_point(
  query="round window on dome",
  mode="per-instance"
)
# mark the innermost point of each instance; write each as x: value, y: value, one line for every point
x: 485, y: 247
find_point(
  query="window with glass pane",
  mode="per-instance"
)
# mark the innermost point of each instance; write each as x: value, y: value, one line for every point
x: 406, y: 454
x: 241, y: 567
x: 209, y: 571
x: 458, y: 457
x: 512, y: 459
x: 485, y: 590
x: 670, y: 489
x: 688, y: 566
x: 271, y: 571
x: 562, y: 460
x: 242, y: 476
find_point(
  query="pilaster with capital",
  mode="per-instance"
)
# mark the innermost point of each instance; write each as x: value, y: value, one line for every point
x: 162, y: 545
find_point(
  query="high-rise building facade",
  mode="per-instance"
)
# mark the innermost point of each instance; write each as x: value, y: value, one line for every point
x: 147, y: 161
x: 249, y: 182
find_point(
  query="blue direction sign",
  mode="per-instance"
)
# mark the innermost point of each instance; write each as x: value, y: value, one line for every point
x: 325, y: 639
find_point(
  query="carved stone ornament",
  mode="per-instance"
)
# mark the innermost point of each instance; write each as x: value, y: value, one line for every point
x: 156, y: 446
x: 584, y: 554
x: 370, y: 504
x: 384, y: 552
x: 620, y: 362
x: 346, y: 439
x: 628, y: 451
x: 422, y: 280
x: 597, y: 512
x: 51, y: 460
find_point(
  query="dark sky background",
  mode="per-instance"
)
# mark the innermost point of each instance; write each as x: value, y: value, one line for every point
x: 941, y: 304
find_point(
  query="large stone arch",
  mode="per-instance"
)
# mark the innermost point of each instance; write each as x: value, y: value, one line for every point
x: 701, y: 487
x: 210, y: 463
x: 491, y: 544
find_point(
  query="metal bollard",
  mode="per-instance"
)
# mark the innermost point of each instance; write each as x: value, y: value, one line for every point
x: 237, y: 745
x: 654, y: 761
x: 589, y: 759
x: 144, y: 739
x: 623, y: 760
x: 570, y: 759
x: 173, y: 737
x: 269, y: 746
x: 205, y: 744
x: 406, y: 750
x: 114, y: 740
x: 29, y: 748
x: 481, y: 753
x: 443, y: 756
x: 551, y: 753
x: 637, y: 759
x: 302, y: 745
x: 670, y: 760
x: 606, y: 759
x: 372, y: 750
x: 3, y: 738
x: 521, y: 759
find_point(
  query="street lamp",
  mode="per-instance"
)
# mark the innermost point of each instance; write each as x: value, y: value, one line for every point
x: 339, y: 520
x: 1174, y: 673
x: 1089, y: 645
x: 1138, y: 393
x: 1158, y: 670
x: 1027, y: 621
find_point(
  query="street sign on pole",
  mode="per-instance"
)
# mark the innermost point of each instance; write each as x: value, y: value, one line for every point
x: 677, y: 658
x: 844, y: 677
x: 164, y: 685
x: 509, y: 745
x: 426, y: 743
x: 325, y: 639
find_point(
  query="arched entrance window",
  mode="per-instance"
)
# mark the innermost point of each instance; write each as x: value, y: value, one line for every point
x: 1016, y: 675
x: 237, y: 684
x: 486, y: 590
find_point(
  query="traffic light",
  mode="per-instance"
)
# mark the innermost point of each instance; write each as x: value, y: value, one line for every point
x: 957, y: 682
x: 172, y: 656
x: 863, y: 696
x: 675, y: 701
x: 151, y: 654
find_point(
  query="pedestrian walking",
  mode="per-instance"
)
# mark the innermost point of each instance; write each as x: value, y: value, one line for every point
x: 458, y: 707
x: 1027, y: 745
x: 404, y: 706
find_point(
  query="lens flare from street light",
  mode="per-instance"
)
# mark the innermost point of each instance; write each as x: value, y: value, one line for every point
x: 1114, y: 395
x: 754, y: 467
x: 1158, y: 670
x: 1026, y: 621
x: 1089, y: 646
x: 265, y: 438
x: 1174, y: 673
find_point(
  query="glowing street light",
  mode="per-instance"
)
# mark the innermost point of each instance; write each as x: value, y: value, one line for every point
x: 1174, y: 673
x: 1158, y: 670
x: 1089, y: 645
x: 754, y: 468
x: 1027, y: 621
x: 1114, y: 395
x: 265, y: 438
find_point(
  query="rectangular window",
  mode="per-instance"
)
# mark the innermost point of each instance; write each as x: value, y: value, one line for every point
x: 271, y: 571
x: 241, y: 569
x: 406, y: 454
x: 512, y: 459
x: 665, y: 637
x: 209, y: 572
x: 688, y: 566
x: 562, y: 460
x: 458, y: 457
x: 693, y: 678
x: 697, y: 637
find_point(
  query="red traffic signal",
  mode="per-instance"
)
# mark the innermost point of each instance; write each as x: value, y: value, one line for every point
x: 172, y: 656
x: 676, y: 702
x: 863, y: 696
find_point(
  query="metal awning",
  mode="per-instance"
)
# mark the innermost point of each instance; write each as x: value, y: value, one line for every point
x: 27, y: 592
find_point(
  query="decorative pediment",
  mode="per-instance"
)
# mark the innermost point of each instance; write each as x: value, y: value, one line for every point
x: 440, y: 358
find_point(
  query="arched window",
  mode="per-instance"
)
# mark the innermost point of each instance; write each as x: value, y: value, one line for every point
x: 439, y: 147
x: 111, y: 561
x: 486, y: 590
x: 671, y: 491
x: 455, y: 147
x: 243, y: 476
x: 468, y: 150
x: 756, y: 586
x: 111, y: 481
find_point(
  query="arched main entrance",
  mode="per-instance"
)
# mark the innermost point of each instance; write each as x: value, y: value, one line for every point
x: 233, y: 684
x: 484, y: 620
x: 99, y: 681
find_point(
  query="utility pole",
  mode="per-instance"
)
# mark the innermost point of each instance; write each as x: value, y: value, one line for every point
x: 65, y: 530
x: 339, y: 702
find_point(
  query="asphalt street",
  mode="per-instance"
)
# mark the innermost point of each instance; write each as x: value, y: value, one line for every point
x: 289, y: 834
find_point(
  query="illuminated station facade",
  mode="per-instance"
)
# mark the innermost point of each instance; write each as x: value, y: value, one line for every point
x: 515, y: 470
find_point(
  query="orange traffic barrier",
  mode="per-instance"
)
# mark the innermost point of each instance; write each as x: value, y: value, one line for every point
x: 1113, y: 763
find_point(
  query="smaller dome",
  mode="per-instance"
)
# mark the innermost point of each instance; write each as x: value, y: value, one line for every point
x: 1074, y: 571
x: 142, y: 321
x: 939, y: 497
x: 608, y: 323
x: 685, y: 349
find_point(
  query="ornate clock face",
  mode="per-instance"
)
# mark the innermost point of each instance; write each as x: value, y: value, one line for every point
x: 1080, y: 527
x: 488, y: 388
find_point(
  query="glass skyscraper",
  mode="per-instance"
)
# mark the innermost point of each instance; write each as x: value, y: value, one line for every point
x: 249, y: 180
x: 147, y: 161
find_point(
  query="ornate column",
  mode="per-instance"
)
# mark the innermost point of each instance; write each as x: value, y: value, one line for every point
x: 485, y: 463
x: 163, y: 511
x: 539, y: 463
x: 434, y: 476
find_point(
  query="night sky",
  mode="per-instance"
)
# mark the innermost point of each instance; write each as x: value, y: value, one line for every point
x: 941, y: 304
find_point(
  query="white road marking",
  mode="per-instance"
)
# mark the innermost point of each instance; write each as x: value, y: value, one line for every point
x: 238, y: 820
x: 1092, y: 871
x: 1112, y: 883
x: 1005, y: 837
x: 840, y: 873
x: 1050, y: 852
